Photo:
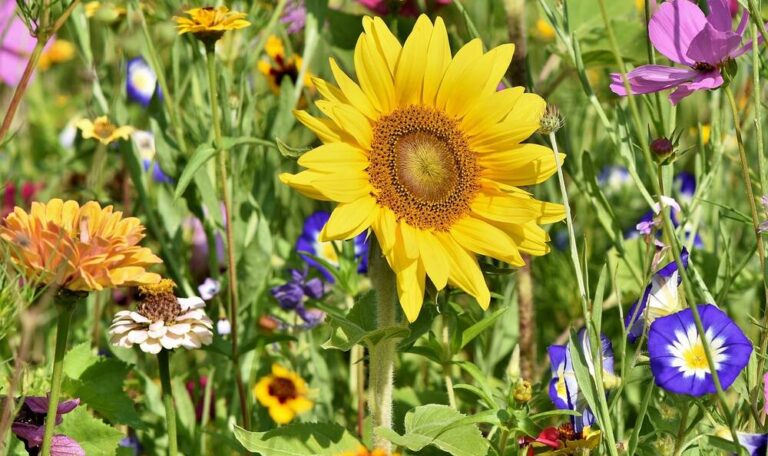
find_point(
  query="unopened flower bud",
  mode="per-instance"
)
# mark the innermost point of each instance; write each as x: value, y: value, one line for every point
x: 662, y: 146
x: 523, y: 392
x: 551, y: 121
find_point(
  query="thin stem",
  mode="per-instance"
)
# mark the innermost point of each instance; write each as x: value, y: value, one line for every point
x: 226, y: 199
x: 170, y: 409
x: 382, y: 354
x: 680, y: 438
x: 65, y: 302
x: 447, y: 366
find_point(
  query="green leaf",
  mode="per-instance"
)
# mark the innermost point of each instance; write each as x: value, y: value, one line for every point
x: 202, y: 154
x: 288, y: 151
x: 475, y: 330
x: 440, y: 426
x: 359, y: 326
x: 100, y: 386
x: 300, y: 439
x: 96, y: 437
x: 78, y: 359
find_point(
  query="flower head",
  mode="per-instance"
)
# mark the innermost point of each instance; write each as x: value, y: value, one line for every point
x: 103, y: 130
x: 144, y: 141
x: 309, y: 241
x: 685, y: 183
x: 57, y: 52
x: 209, y: 288
x: 29, y: 426
x: 284, y: 393
x: 659, y: 299
x: 78, y: 248
x: 162, y: 321
x: 209, y: 24
x: 613, y: 176
x: 426, y: 153
x: 279, y: 66
x: 562, y: 440
x: 652, y: 220
x: 755, y: 444
x: 681, y: 32
x: 678, y: 360
x: 564, y: 389
x: 294, y: 16
x: 363, y: 451
x: 401, y: 7
x: 141, y: 81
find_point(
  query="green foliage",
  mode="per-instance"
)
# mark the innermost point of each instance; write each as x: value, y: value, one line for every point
x: 304, y: 439
x: 96, y: 437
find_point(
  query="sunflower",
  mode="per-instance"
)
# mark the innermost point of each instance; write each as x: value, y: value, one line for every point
x: 427, y: 153
x: 209, y: 24
x: 78, y: 248
x: 103, y: 130
x: 284, y: 393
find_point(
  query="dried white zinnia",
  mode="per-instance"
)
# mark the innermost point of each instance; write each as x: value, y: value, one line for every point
x: 162, y: 321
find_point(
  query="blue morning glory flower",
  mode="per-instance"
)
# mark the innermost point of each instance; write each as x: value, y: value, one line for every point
x: 685, y: 183
x: 678, y: 360
x: 660, y: 298
x: 613, y: 177
x: 292, y: 294
x: 141, y: 82
x: 145, y: 144
x: 755, y: 444
x: 564, y: 390
x: 310, y: 242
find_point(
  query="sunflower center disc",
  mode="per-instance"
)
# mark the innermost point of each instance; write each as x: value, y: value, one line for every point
x: 422, y: 168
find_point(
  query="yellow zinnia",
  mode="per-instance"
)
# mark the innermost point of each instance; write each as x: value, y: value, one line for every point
x: 279, y: 66
x: 427, y: 153
x: 78, y: 248
x: 284, y: 393
x: 209, y: 23
x: 103, y: 130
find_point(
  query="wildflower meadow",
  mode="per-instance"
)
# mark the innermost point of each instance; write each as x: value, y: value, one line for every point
x: 383, y: 227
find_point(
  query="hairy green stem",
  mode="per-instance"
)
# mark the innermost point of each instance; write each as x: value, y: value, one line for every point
x: 382, y: 354
x: 447, y: 366
x: 680, y: 437
x: 227, y: 201
x: 66, y: 302
x: 170, y: 408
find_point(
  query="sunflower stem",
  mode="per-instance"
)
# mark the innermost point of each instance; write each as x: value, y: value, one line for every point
x: 65, y: 303
x: 221, y: 156
x: 170, y: 411
x: 382, y: 354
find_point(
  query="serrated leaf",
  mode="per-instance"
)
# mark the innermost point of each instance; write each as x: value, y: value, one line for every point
x: 359, y: 326
x: 78, y: 359
x: 96, y: 437
x: 440, y: 426
x: 300, y: 439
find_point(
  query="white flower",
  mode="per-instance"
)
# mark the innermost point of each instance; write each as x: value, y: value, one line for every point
x: 163, y: 321
x: 145, y: 144
x: 209, y: 289
x: 223, y: 327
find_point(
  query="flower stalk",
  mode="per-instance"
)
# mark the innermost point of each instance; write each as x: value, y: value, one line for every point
x: 382, y: 354
x: 170, y: 411
x: 66, y: 301
x: 221, y: 156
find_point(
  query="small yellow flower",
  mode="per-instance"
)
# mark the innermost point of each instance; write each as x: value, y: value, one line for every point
x: 705, y: 131
x: 363, y: 451
x: 103, y: 130
x: 278, y: 66
x: 209, y: 23
x: 106, y: 12
x: 80, y: 248
x: 284, y: 393
x: 59, y: 51
x: 544, y: 30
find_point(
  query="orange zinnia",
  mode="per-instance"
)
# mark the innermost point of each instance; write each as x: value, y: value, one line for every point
x: 78, y: 248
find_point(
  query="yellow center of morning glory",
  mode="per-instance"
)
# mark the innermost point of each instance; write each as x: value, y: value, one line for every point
x: 695, y: 357
x: 422, y: 168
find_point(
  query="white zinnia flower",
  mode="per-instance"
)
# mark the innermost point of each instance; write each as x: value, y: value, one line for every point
x: 162, y: 321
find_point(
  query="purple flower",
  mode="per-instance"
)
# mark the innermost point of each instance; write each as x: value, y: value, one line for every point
x: 685, y: 183
x: 16, y: 44
x: 564, y: 390
x: 755, y: 444
x: 198, y: 262
x: 292, y: 294
x: 209, y: 288
x: 311, y: 317
x: 678, y: 360
x: 680, y: 31
x: 659, y: 298
x: 132, y: 442
x: 141, y: 81
x: 29, y: 426
x: 653, y: 220
x: 309, y: 241
x: 294, y: 16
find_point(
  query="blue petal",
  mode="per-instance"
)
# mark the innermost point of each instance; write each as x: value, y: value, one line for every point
x: 755, y: 444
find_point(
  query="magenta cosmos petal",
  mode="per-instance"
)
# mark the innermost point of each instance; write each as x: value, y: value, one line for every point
x: 651, y: 78
x: 16, y: 44
x: 713, y: 46
x: 720, y: 15
x: 673, y: 27
x: 703, y: 81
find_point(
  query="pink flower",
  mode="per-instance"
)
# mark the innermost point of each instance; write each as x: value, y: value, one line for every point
x: 402, y: 7
x: 16, y: 44
x: 680, y: 31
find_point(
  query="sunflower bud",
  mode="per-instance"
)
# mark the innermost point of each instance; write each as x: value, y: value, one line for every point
x: 551, y: 121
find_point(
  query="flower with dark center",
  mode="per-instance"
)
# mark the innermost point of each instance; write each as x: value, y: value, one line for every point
x: 208, y: 24
x: 279, y: 66
x: 102, y: 130
x: 284, y: 393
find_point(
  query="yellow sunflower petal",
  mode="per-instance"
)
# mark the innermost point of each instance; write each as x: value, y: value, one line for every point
x: 355, y: 123
x: 322, y: 128
x: 385, y: 227
x: 333, y: 157
x: 432, y: 255
x: 409, y: 240
x: 527, y: 164
x: 464, y: 272
x: 452, y: 81
x: 521, y: 122
x: 353, y: 92
x: 344, y: 188
x: 329, y: 91
x: 373, y: 74
x: 503, y: 57
x: 281, y: 414
x: 504, y: 208
x: 349, y: 220
x: 409, y: 77
x: 385, y: 41
x: 300, y: 404
x: 465, y: 85
x: 438, y: 59
x: 410, y: 289
x: 490, y: 110
x: 302, y: 182
x: 473, y: 234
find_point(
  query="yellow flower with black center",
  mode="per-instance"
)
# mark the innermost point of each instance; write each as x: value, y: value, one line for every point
x: 427, y: 153
x: 284, y: 393
x: 79, y: 248
x: 209, y: 24
x: 103, y: 130
x: 279, y: 66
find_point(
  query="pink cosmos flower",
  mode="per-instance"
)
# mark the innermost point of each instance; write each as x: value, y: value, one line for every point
x: 681, y: 32
x: 405, y: 8
x: 16, y: 44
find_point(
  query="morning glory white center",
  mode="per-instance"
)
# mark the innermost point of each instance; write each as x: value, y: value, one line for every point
x: 689, y: 355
